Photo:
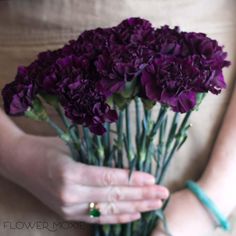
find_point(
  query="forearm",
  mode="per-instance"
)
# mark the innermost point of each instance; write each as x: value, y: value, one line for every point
x: 9, y: 132
x: 7, y: 129
x: 219, y: 177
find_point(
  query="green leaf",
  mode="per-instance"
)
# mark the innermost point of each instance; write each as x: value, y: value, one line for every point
x: 37, y: 111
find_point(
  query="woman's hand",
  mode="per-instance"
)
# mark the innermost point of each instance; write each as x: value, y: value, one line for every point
x: 186, y: 216
x: 43, y: 166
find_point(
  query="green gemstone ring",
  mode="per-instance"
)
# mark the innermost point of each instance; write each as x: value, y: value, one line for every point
x: 94, y: 211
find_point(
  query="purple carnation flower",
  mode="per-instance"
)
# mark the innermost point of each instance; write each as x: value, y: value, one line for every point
x: 76, y: 88
x: 170, y: 41
x: 186, y: 64
x: 90, y: 43
x: 18, y: 95
x: 63, y: 68
x: 172, y: 66
x: 209, y: 58
x: 134, y: 31
x: 115, y: 69
x: 175, y: 82
x: 128, y: 52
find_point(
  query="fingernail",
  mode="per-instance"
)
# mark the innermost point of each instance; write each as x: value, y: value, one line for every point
x: 149, y: 180
x: 155, y: 204
x: 136, y: 216
x: 163, y: 192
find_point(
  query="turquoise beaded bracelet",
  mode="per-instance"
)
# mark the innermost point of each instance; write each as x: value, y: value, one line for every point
x: 209, y: 205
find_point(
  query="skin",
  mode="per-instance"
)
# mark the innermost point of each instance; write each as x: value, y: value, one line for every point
x: 67, y: 187
x: 217, y: 181
x: 56, y: 177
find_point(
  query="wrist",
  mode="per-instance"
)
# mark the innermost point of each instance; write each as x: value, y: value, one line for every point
x: 12, y: 158
x: 222, y: 196
x: 186, y: 216
x: 219, y: 219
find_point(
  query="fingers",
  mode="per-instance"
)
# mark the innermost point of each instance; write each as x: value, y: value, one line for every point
x: 114, y: 212
x: 75, y: 194
x: 115, y: 208
x: 112, y: 219
x: 117, y: 193
x: 119, y: 200
x: 105, y: 176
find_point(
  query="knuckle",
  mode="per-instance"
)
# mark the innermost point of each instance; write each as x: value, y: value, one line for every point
x: 138, y: 207
x: 143, y: 207
x: 147, y: 192
x: 108, y: 178
x: 64, y: 174
x: 115, y: 194
x: 123, y: 218
x: 64, y: 197
x: 159, y: 204
x: 111, y: 208
x: 151, y: 205
x: 143, y: 194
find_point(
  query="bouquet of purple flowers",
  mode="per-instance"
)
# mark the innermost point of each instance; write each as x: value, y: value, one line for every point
x: 94, y: 80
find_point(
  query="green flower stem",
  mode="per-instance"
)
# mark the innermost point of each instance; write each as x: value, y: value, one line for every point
x: 69, y: 127
x: 138, y: 121
x: 138, y: 129
x: 142, y: 151
x: 128, y: 131
x: 130, y: 156
x: 97, y: 230
x: 147, y: 126
x: 161, y: 148
x: 88, y: 142
x: 65, y: 137
x: 107, y: 230
x: 100, y: 151
x: 117, y: 230
x: 128, y: 228
x: 156, y: 126
x: 184, y: 122
x: 127, y: 137
x: 147, y: 120
x: 142, y: 148
x: 168, y: 144
x: 167, y: 162
x: 152, y: 131
x: 107, y: 145
x: 58, y: 130
x: 179, y: 138
x: 62, y: 116
x: 108, y: 138
x: 119, y: 127
x: 173, y: 129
